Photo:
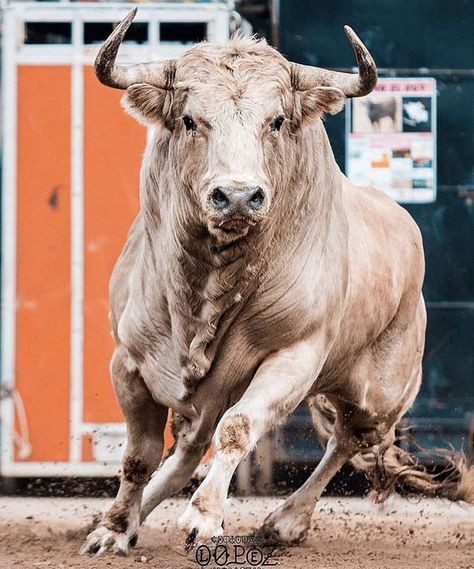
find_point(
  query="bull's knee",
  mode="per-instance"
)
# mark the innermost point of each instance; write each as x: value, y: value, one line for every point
x: 367, y: 437
x: 362, y: 437
x: 234, y: 434
x: 362, y: 429
x: 136, y: 471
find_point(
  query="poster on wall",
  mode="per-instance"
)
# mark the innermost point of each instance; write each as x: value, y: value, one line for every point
x: 391, y: 139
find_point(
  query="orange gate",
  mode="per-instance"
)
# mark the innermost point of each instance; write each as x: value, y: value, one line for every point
x: 70, y: 191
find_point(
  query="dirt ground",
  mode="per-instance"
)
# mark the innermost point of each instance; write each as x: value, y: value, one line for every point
x: 350, y: 533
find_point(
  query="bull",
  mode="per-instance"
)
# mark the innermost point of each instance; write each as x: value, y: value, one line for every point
x: 255, y: 277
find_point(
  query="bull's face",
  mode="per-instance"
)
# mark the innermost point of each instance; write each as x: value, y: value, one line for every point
x: 227, y: 127
x: 229, y: 119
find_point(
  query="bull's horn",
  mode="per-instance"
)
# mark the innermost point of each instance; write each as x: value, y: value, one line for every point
x: 112, y: 74
x: 351, y: 84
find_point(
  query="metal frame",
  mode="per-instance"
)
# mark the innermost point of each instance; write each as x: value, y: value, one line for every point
x: 218, y: 17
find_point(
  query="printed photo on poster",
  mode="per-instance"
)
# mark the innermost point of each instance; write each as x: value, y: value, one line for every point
x: 377, y: 114
x: 416, y: 114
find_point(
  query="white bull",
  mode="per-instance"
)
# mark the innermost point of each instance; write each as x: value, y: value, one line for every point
x: 256, y: 276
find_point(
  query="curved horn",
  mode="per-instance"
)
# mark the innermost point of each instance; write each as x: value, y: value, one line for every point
x: 351, y: 84
x: 111, y: 74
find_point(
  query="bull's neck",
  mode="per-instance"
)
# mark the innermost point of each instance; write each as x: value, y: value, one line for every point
x: 312, y: 200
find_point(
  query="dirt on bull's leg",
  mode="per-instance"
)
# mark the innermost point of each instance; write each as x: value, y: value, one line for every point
x: 135, y: 471
x: 234, y: 434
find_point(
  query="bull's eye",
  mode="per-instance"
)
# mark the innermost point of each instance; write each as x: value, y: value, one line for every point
x: 277, y: 123
x: 189, y: 123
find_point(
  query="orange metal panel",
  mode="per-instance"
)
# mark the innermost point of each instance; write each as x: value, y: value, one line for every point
x: 113, y: 148
x: 43, y: 257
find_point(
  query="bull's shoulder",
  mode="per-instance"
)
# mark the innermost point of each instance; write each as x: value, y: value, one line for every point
x: 128, y: 255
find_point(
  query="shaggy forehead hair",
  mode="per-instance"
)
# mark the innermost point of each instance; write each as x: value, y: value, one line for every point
x: 243, y: 67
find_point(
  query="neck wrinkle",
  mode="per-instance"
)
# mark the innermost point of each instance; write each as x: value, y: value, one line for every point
x: 227, y: 282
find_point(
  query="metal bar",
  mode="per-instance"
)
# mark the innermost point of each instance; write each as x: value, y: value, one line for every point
x: 9, y: 212
x: 50, y: 469
x: 77, y: 248
x: 424, y: 71
x: 455, y: 304
x: 456, y: 188
x: 275, y: 21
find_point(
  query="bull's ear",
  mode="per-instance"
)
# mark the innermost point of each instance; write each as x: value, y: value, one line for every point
x: 321, y: 100
x: 147, y: 103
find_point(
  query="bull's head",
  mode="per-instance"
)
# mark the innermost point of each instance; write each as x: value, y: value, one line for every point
x: 231, y: 116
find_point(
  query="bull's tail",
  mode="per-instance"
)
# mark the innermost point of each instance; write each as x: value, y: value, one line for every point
x: 394, y: 469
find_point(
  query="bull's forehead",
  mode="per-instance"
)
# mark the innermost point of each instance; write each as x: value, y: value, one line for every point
x: 245, y: 75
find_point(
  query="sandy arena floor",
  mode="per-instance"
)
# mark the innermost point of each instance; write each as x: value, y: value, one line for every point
x: 350, y: 533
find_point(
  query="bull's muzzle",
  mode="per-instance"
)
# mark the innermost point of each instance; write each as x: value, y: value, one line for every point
x: 232, y: 209
x: 237, y: 203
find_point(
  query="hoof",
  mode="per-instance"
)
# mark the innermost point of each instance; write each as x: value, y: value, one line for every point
x: 285, y: 527
x: 198, y: 527
x: 102, y: 540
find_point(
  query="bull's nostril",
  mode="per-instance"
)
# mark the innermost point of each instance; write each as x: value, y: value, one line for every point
x: 219, y: 199
x: 256, y: 201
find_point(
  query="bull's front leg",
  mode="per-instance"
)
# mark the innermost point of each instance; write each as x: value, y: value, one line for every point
x: 280, y: 384
x: 145, y: 425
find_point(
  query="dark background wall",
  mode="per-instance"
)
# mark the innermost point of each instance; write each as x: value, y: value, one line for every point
x: 403, y: 36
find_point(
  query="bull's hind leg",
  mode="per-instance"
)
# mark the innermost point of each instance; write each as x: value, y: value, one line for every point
x: 145, y: 425
x: 379, y: 389
x: 279, y: 385
x: 354, y: 430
